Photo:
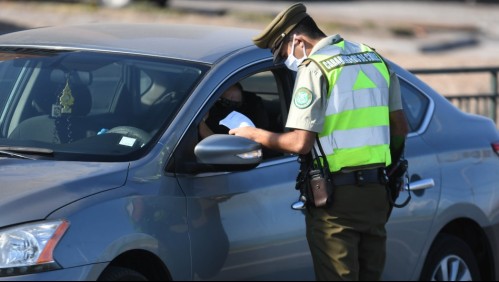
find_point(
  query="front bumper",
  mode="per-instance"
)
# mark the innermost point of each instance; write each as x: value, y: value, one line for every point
x: 81, y: 273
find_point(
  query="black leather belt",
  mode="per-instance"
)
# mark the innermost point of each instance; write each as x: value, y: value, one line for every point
x: 358, y: 177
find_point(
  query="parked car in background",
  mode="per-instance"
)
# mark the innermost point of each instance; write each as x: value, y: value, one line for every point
x: 104, y: 176
x: 119, y: 3
x: 122, y: 3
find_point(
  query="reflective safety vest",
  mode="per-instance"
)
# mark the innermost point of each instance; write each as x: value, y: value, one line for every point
x: 356, y: 131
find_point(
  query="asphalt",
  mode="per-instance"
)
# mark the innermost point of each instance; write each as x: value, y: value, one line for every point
x: 456, y: 13
x: 422, y: 26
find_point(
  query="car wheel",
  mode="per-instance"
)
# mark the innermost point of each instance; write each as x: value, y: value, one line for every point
x: 450, y: 259
x: 115, y: 3
x: 115, y: 273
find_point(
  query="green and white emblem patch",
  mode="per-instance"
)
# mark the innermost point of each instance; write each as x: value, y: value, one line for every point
x: 303, y: 98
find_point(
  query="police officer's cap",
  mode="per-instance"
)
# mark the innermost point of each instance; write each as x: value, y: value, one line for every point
x: 273, y: 35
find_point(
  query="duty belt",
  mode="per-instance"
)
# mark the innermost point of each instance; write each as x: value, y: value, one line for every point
x: 359, y: 177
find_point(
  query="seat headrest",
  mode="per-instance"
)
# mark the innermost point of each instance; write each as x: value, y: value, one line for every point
x: 82, y: 100
x: 50, y: 92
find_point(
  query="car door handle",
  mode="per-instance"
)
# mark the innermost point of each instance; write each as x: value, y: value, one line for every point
x: 422, y: 184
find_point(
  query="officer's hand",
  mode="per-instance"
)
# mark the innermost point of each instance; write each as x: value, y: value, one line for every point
x: 246, y: 131
x: 258, y: 135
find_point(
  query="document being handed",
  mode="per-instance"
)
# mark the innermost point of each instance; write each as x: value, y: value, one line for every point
x: 236, y: 120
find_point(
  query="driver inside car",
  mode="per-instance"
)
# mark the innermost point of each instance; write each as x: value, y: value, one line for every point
x: 234, y: 99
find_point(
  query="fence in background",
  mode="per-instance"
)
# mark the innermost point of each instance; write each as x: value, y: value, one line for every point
x: 484, y: 104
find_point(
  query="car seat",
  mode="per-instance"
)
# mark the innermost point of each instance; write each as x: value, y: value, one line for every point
x: 53, y: 126
x: 254, y: 108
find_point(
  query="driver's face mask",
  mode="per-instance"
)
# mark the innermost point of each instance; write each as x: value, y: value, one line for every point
x: 229, y: 104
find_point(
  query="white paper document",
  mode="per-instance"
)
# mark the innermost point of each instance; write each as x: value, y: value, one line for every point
x: 236, y: 120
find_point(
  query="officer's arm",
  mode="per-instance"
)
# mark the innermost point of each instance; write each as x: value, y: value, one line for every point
x: 399, y: 127
x: 295, y: 142
x: 398, y: 133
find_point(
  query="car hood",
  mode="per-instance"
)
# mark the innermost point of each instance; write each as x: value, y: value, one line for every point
x: 31, y: 190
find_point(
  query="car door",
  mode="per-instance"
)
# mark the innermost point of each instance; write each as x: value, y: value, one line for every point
x: 409, y: 226
x: 241, y: 223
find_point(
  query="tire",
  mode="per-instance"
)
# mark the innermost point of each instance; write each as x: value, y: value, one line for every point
x: 114, y: 273
x: 450, y: 259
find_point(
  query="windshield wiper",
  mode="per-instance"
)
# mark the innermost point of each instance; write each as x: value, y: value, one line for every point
x: 19, y: 152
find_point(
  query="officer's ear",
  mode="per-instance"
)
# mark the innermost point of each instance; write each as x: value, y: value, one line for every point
x: 299, y: 39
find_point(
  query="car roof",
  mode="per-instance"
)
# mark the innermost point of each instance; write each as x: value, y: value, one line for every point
x: 202, y: 43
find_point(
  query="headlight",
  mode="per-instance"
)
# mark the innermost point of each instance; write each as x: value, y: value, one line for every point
x: 29, y: 248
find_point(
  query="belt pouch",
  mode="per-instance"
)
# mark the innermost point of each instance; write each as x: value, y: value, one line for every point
x: 320, y: 187
x: 321, y: 184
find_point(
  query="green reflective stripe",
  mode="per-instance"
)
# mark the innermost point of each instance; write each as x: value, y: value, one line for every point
x: 343, y: 158
x: 359, y: 118
x: 340, y: 44
x: 360, y: 136
x: 382, y: 68
x: 384, y: 72
x: 333, y: 77
x: 363, y: 82
x: 363, y: 48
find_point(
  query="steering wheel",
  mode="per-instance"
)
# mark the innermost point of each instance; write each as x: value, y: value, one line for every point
x: 133, y: 132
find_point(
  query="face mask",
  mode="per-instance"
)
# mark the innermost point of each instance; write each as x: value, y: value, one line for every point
x: 292, y: 62
x: 229, y: 104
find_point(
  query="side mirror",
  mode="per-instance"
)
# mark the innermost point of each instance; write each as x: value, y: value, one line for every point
x: 228, y: 152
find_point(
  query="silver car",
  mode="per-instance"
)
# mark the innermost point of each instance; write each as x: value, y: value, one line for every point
x: 104, y: 176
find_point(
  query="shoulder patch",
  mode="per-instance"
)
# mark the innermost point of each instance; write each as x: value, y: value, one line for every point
x: 303, y: 98
x: 306, y: 62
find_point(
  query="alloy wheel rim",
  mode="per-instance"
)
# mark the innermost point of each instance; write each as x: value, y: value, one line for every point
x: 452, y: 268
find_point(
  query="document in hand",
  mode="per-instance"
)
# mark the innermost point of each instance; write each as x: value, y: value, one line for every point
x: 236, y: 120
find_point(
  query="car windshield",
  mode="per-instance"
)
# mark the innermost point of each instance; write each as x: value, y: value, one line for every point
x: 88, y: 106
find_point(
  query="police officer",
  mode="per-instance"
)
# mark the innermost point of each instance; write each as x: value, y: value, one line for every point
x: 345, y: 94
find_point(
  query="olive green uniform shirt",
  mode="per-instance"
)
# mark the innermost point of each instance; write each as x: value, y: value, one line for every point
x: 308, y: 105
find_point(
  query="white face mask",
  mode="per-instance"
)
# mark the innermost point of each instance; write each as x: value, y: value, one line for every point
x: 291, y: 61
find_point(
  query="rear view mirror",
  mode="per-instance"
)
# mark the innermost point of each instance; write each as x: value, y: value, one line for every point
x: 77, y: 77
x: 228, y: 152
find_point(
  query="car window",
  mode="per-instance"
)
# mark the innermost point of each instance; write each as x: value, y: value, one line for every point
x: 89, y: 105
x: 264, y: 85
x: 263, y: 103
x: 106, y: 79
x: 415, y: 105
x: 7, y: 83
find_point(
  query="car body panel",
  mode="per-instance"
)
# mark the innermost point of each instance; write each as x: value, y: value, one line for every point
x: 67, y: 183
x: 147, y: 216
x: 270, y: 231
x: 406, y: 245
x: 188, y: 43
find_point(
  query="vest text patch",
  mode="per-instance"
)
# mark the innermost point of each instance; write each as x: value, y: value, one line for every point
x: 350, y: 59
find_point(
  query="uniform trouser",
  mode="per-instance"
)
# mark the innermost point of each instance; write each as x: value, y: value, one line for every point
x: 348, y: 239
